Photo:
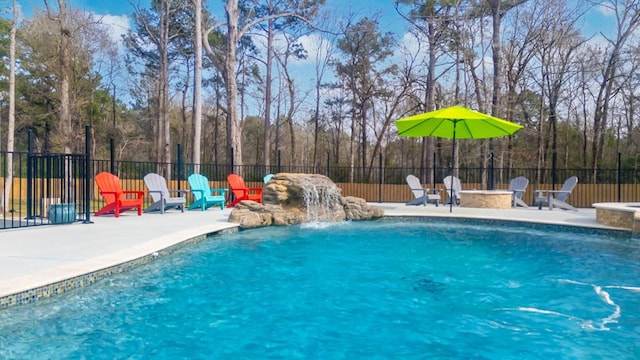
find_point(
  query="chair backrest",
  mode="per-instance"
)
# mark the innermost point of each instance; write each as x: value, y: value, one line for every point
x: 456, y: 185
x: 236, y: 182
x: 267, y: 177
x: 519, y: 186
x: 200, y: 183
x: 106, y: 181
x: 155, y: 183
x: 415, y: 186
x: 567, y: 188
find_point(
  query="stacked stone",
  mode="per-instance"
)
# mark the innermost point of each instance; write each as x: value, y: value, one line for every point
x: 283, y: 203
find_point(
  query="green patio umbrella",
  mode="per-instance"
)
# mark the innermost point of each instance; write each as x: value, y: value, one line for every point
x: 455, y: 122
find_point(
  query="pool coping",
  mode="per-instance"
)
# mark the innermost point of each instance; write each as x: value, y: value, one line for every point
x: 90, y: 267
x: 58, y: 280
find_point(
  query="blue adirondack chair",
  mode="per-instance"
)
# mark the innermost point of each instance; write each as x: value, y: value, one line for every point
x: 203, y: 195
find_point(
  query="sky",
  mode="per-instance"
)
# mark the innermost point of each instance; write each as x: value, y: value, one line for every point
x: 118, y: 12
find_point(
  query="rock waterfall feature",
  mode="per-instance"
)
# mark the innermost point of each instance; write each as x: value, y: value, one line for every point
x: 289, y: 199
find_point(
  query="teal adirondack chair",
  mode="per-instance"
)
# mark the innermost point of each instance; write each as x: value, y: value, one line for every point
x: 204, y: 196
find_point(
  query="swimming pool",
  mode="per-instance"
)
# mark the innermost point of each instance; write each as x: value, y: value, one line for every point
x: 411, y: 288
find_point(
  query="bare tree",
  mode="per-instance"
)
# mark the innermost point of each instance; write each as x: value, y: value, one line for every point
x: 292, y: 49
x: 627, y: 15
x: 323, y: 49
x: 430, y: 21
x: 159, y: 30
x: 235, y: 31
x: 556, y: 49
x: 363, y: 69
x: 62, y: 21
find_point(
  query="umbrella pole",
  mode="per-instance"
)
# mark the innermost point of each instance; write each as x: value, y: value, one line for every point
x: 453, y: 164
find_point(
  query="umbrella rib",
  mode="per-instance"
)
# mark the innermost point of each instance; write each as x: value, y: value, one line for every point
x: 497, y: 127
x: 466, y: 126
x: 411, y: 128
x: 418, y: 124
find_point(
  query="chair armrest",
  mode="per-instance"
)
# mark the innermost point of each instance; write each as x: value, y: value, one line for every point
x: 426, y: 191
x: 157, y: 191
x: 138, y: 193
x: 247, y: 191
x: 218, y: 190
x: 199, y: 191
x: 540, y: 192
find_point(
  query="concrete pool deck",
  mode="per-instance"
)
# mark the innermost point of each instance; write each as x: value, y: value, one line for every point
x: 35, y: 258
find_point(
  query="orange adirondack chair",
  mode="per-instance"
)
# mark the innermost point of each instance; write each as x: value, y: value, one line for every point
x: 117, y: 200
x: 241, y: 191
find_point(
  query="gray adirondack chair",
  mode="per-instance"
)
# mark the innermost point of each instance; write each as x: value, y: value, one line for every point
x: 557, y: 198
x: 421, y: 195
x: 518, y: 186
x: 457, y: 187
x: 161, y: 195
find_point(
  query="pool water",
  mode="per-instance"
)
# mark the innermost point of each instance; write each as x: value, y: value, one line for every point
x: 410, y: 289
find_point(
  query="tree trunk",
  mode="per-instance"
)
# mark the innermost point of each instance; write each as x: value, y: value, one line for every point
x: 186, y: 129
x: 290, y: 112
x: 233, y: 123
x: 352, y: 142
x: 65, y: 111
x: 430, y: 98
x: 8, y: 183
x: 267, y: 96
x: 197, y: 88
x: 164, y: 87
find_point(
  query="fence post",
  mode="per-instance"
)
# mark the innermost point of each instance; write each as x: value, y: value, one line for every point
x: 433, y: 178
x: 231, y: 161
x: 179, y: 164
x: 619, y: 177
x: 30, y: 174
x: 380, y: 178
x: 279, y: 162
x: 554, y: 163
x: 112, y: 156
x: 87, y: 174
x: 491, y: 169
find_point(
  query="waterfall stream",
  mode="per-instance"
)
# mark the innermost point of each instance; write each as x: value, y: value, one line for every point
x: 320, y: 199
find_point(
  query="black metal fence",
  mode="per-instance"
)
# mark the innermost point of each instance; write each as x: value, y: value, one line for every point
x: 44, y: 184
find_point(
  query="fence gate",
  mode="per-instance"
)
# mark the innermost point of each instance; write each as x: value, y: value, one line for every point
x: 56, y: 187
x: 46, y: 189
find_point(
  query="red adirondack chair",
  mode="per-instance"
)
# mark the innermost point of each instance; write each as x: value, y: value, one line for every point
x: 117, y: 200
x: 241, y: 191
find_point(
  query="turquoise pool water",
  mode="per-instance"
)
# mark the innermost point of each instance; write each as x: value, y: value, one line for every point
x: 406, y: 289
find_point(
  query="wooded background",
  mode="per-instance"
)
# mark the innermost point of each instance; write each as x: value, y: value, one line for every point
x: 223, y: 75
